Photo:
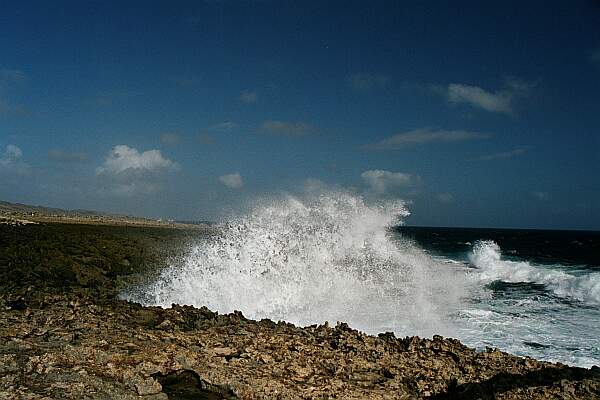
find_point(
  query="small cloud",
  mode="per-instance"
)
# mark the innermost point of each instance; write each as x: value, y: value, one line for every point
x: 11, y: 161
x: 506, y: 154
x: 233, y: 181
x: 279, y: 128
x: 423, y: 136
x: 128, y: 172
x: 170, y: 138
x: 122, y: 158
x: 445, y: 197
x: 541, y: 196
x: 11, y: 155
x: 65, y: 156
x: 366, y: 82
x: 501, y: 101
x: 226, y: 126
x: 249, y: 97
x: 382, y: 181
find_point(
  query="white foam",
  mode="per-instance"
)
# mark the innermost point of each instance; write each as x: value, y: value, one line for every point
x: 487, y: 257
x: 329, y: 257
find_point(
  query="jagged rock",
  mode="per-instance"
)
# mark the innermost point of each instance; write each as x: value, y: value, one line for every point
x: 76, y: 340
x: 147, y: 386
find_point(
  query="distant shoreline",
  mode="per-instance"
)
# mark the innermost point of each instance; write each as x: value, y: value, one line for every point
x: 17, y: 214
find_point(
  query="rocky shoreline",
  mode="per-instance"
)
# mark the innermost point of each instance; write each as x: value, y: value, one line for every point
x: 64, y: 334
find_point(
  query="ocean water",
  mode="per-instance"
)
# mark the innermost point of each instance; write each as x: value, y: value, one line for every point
x: 337, y: 257
x: 533, y: 293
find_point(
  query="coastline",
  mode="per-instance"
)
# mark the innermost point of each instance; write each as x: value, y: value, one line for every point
x: 64, y: 334
x: 22, y: 214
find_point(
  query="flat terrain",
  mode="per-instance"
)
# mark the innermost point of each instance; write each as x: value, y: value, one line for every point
x: 64, y: 334
x: 22, y: 214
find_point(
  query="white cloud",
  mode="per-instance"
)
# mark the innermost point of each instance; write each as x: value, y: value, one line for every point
x: 445, y: 197
x: 248, y: 97
x: 233, y: 181
x: 382, y: 181
x: 506, y: 154
x: 11, y: 155
x: 366, y: 82
x: 11, y: 161
x: 501, y: 101
x: 122, y: 158
x: 128, y: 172
x: 279, y: 128
x: 170, y: 138
x: 422, y: 136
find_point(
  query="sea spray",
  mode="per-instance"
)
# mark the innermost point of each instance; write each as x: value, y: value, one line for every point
x: 327, y: 257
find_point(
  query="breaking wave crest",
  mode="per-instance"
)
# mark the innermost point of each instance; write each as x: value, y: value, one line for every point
x: 329, y: 257
x: 486, y: 256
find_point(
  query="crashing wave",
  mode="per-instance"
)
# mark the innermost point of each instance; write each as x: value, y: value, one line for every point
x: 486, y: 256
x: 330, y: 257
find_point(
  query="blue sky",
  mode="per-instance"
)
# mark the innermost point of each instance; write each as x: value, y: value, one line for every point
x: 478, y: 114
